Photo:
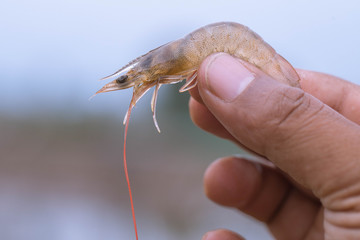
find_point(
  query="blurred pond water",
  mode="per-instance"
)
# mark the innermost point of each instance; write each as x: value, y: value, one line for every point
x: 63, y: 179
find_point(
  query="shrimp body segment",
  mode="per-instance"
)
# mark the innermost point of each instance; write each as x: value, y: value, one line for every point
x: 180, y: 59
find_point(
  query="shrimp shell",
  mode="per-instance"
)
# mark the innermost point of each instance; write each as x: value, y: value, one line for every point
x: 180, y: 59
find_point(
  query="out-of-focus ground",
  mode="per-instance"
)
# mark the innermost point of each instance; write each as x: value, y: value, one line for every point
x: 63, y: 179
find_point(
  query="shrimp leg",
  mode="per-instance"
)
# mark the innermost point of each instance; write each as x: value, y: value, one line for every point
x: 190, y: 77
x: 138, y: 92
x: 190, y: 83
x: 153, y: 105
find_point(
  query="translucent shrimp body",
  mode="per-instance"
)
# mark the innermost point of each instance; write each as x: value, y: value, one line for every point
x: 180, y: 59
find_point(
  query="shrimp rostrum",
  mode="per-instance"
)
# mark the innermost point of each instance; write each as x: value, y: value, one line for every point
x: 179, y: 60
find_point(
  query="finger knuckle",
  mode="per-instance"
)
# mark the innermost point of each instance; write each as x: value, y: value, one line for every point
x: 292, y: 103
x: 292, y: 111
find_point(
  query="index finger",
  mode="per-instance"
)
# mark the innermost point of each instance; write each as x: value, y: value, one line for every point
x: 340, y: 95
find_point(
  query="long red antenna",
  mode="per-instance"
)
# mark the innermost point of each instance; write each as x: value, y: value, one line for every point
x: 126, y: 171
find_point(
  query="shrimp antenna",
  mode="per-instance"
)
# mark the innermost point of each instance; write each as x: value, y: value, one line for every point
x: 127, y: 120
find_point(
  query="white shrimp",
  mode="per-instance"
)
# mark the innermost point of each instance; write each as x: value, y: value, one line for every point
x: 179, y: 60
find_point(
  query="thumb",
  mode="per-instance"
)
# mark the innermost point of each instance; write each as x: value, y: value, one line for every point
x: 301, y: 135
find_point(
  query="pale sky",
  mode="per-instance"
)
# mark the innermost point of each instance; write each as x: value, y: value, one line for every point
x: 53, y: 52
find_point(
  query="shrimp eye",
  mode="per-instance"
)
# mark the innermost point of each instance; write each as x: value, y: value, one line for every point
x: 122, y: 79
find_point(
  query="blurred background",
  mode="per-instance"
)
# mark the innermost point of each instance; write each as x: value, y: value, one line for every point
x: 61, y: 173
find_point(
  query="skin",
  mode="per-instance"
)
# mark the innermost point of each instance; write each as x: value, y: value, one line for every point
x: 311, y: 134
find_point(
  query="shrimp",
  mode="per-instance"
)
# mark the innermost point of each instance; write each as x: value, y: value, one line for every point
x: 179, y: 60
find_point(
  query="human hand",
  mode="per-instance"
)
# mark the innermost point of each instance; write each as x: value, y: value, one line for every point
x: 312, y: 135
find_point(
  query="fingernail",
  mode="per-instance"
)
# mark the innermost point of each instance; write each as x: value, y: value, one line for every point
x: 205, y: 236
x: 221, y: 234
x: 255, y: 159
x: 226, y: 77
x: 209, y: 235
